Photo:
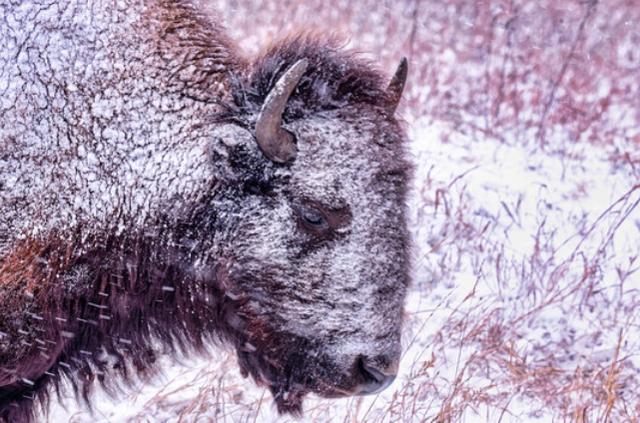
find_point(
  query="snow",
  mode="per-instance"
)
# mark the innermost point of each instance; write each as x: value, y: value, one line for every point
x: 537, y: 212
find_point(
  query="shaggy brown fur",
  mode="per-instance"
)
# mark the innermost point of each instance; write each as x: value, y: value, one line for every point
x: 91, y: 301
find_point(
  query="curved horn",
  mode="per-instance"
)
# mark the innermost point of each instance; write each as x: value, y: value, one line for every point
x: 274, y: 141
x: 394, y: 91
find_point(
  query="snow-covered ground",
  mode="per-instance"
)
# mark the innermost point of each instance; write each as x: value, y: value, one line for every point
x: 525, y: 304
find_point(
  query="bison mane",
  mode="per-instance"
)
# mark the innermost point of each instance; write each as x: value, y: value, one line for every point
x: 335, y: 77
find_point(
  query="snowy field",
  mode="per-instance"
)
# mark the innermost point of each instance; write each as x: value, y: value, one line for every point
x: 525, y: 306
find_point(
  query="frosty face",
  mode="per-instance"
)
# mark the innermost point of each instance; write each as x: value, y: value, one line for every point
x: 318, y: 255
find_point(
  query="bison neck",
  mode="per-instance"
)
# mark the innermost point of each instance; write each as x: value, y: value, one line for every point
x: 143, y: 293
x: 96, y: 312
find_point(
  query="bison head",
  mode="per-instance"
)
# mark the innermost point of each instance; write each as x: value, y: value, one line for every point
x: 312, y: 177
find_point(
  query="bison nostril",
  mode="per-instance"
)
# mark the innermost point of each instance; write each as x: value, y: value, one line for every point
x: 370, y: 373
x: 376, y: 377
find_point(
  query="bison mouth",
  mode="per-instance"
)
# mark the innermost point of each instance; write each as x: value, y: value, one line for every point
x: 295, y: 373
x: 290, y: 365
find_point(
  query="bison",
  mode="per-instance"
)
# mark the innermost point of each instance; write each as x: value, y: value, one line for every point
x: 159, y: 192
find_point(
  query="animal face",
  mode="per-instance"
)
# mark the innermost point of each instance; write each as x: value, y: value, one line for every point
x: 319, y: 257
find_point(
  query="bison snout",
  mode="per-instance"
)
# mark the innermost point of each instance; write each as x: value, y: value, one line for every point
x: 377, y: 374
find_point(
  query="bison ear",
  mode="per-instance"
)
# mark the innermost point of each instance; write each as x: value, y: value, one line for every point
x: 396, y: 86
x: 233, y: 153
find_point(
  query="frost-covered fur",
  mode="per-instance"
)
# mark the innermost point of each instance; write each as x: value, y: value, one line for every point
x: 139, y: 216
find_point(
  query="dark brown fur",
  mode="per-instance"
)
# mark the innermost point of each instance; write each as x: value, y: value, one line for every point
x: 100, y: 307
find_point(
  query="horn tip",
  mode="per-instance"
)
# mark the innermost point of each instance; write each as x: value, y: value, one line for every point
x: 403, y: 67
x: 396, y: 86
x: 300, y: 67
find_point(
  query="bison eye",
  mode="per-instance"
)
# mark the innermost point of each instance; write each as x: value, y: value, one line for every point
x: 313, y: 219
x: 320, y: 220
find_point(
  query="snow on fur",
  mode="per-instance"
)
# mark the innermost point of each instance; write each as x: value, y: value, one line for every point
x: 139, y: 217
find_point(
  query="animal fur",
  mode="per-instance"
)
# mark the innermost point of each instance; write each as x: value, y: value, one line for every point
x: 138, y: 215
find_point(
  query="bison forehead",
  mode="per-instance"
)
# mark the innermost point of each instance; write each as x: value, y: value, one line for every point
x: 340, y: 159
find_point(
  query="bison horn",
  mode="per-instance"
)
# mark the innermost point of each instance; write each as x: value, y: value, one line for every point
x: 394, y: 91
x: 275, y: 142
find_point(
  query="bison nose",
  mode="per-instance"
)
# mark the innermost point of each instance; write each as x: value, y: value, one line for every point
x: 377, y: 374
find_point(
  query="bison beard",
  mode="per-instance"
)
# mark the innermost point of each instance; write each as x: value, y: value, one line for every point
x: 274, y: 360
x: 281, y: 364
x: 168, y: 195
x: 289, y: 379
x: 280, y: 361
